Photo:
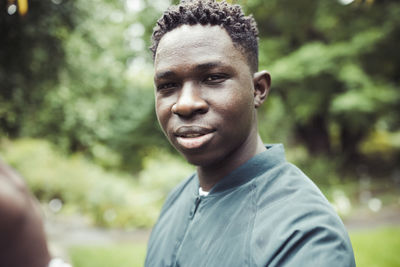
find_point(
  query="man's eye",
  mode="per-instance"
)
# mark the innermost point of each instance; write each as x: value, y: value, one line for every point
x: 215, y: 78
x: 166, y: 86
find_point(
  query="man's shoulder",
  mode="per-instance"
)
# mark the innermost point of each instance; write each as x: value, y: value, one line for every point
x: 302, y: 218
x: 296, y: 202
x: 286, y: 181
x: 292, y: 195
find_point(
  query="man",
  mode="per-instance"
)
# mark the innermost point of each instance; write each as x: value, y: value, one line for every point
x: 245, y: 205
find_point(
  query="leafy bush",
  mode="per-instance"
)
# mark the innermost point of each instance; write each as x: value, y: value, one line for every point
x: 323, y: 170
x: 108, y: 198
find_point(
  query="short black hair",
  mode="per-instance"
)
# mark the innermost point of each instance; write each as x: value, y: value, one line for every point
x: 242, y: 29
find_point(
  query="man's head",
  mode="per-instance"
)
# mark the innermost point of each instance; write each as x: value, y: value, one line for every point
x: 207, y: 94
x: 242, y: 29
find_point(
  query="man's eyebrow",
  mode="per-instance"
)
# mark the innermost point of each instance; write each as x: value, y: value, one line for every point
x: 208, y: 65
x: 164, y: 75
x: 200, y: 67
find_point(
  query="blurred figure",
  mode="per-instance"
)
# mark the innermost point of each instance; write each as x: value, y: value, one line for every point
x: 22, y: 238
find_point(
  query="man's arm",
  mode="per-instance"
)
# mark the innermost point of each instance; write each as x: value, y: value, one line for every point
x: 22, y: 238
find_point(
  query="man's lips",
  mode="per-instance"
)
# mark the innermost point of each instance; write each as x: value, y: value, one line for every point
x: 192, y: 131
x: 191, y: 137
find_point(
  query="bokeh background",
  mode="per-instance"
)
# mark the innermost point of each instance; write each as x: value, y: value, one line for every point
x: 77, y: 116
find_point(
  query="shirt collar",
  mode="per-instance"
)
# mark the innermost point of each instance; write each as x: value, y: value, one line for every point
x: 257, y: 165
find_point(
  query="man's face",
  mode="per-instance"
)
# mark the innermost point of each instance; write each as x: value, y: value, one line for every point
x: 204, y: 94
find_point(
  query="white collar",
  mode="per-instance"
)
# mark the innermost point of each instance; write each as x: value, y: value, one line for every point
x: 203, y: 193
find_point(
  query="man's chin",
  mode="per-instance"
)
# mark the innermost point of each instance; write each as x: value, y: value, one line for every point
x: 200, y: 159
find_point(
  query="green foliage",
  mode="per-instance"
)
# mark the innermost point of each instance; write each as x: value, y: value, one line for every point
x: 162, y: 172
x: 31, y: 54
x: 90, y: 90
x: 321, y: 169
x: 108, y: 198
x: 381, y: 144
x: 78, y: 73
x: 98, y: 102
x: 331, y: 71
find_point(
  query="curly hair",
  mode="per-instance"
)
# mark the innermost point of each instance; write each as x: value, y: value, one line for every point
x: 242, y: 29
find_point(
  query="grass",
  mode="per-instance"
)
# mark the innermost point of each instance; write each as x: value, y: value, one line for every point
x: 378, y: 247
x: 125, y: 255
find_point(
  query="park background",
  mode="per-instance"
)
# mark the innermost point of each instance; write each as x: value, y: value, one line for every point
x: 77, y: 116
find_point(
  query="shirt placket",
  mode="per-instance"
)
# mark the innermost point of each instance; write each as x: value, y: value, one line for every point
x: 192, y: 214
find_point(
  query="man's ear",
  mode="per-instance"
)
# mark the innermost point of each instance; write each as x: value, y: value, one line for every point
x: 262, y: 84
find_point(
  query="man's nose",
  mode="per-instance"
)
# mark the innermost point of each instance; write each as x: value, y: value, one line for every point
x: 190, y: 101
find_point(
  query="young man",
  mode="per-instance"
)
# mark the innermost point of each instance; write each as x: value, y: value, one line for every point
x: 245, y: 205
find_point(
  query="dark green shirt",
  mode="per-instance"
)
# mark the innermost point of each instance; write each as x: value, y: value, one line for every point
x: 264, y: 213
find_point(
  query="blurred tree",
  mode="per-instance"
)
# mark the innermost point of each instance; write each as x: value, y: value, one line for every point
x: 31, y: 54
x: 79, y: 73
x: 335, y: 71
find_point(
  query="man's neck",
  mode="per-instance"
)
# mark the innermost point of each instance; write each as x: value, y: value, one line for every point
x: 212, y: 174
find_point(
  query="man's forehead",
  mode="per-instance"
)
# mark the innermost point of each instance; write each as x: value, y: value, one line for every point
x: 196, y: 33
x: 196, y: 44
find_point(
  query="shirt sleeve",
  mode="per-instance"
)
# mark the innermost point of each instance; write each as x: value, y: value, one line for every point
x: 318, y: 246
